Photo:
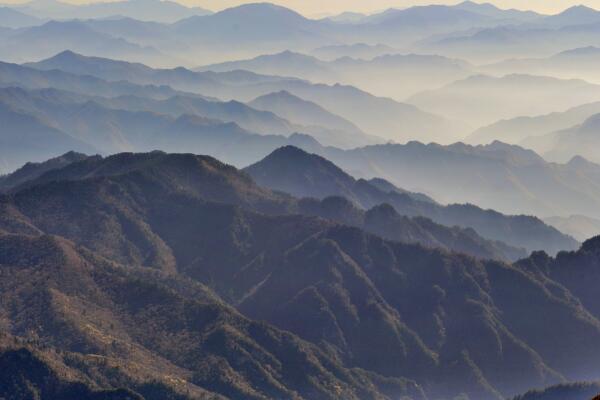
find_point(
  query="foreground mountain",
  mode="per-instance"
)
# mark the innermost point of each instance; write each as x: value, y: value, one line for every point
x: 104, y: 322
x: 395, y: 227
x: 33, y: 170
x: 574, y: 391
x: 307, y: 175
x: 123, y: 287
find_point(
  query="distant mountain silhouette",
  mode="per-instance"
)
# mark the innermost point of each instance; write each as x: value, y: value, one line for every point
x: 506, y: 41
x: 147, y: 10
x: 10, y: 18
x: 517, y: 130
x: 264, y: 23
x: 484, y: 99
x: 576, y: 63
x: 339, y: 131
x: 43, y: 41
x: 493, y: 11
x: 21, y: 76
x: 94, y: 124
x: 26, y: 137
x: 375, y: 75
x: 578, y: 226
x: 576, y: 15
x: 307, y: 175
x: 566, y: 144
x: 509, y: 179
x: 358, y: 50
x: 381, y: 117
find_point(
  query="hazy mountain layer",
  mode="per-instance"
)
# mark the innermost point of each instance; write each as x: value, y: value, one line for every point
x: 162, y: 11
x: 505, y: 178
x: 516, y: 130
x: 482, y: 100
x: 578, y: 226
x: 381, y: 117
x: 392, y: 75
x: 305, y: 175
x: 561, y: 146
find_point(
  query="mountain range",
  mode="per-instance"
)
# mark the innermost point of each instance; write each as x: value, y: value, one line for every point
x: 576, y: 63
x: 381, y: 117
x: 46, y: 40
x: 578, y: 226
x: 415, y: 72
x: 301, y: 174
x: 563, y: 145
x: 541, y: 38
x: 146, y: 10
x: 249, y: 30
x: 139, y: 295
x: 483, y: 100
x: 10, y: 18
x: 516, y: 130
x: 509, y: 178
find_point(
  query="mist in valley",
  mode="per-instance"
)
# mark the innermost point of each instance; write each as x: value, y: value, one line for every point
x: 254, y: 203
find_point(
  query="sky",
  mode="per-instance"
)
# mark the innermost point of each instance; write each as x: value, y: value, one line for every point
x: 327, y: 7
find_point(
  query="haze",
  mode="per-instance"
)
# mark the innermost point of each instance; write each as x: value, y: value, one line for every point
x: 307, y: 200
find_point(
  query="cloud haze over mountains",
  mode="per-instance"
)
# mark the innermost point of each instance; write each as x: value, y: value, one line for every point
x: 242, y: 200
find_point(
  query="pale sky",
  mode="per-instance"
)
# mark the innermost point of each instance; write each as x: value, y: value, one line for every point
x: 321, y: 7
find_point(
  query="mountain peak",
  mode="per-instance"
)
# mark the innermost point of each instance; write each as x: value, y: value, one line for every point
x: 66, y: 55
x: 579, y: 9
x: 591, y: 245
x: 260, y: 9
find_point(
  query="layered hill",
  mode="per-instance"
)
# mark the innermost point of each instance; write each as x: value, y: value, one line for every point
x: 61, y: 121
x: 517, y: 130
x: 382, y: 117
x: 308, y: 175
x: 564, y: 145
x: 508, y: 178
x: 482, y: 100
x: 377, y: 75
